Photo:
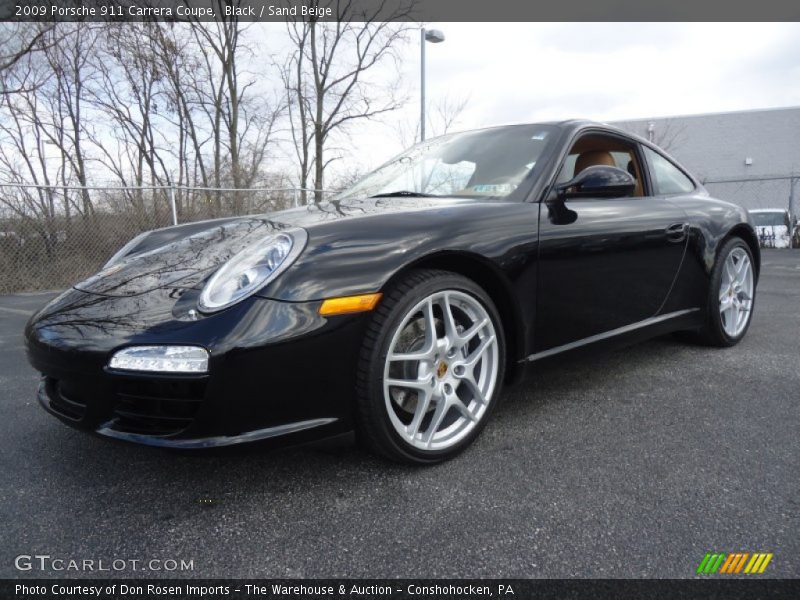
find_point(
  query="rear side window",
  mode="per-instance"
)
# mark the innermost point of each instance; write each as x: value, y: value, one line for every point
x: 669, y: 179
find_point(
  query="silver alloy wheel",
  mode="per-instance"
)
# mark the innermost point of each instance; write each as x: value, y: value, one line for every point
x: 441, y: 370
x: 736, y: 292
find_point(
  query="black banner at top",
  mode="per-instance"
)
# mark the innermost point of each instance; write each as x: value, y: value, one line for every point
x: 400, y: 10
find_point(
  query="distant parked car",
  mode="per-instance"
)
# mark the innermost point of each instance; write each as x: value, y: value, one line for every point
x: 775, y: 227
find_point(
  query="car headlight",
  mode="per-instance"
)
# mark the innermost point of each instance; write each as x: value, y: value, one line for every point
x: 251, y: 269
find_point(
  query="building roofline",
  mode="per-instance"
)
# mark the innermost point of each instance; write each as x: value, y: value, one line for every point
x: 707, y: 114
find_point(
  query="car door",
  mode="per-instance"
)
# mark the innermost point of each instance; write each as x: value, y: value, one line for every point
x: 611, y: 264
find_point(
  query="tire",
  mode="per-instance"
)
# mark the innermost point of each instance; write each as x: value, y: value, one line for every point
x: 443, y: 401
x: 718, y: 330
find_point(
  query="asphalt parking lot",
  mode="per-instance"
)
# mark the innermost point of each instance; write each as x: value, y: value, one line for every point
x: 633, y: 463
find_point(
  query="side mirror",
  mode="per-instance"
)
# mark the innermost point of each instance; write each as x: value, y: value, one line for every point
x: 600, y: 181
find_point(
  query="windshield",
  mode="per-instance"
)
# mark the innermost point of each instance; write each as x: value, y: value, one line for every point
x: 766, y: 219
x: 490, y: 163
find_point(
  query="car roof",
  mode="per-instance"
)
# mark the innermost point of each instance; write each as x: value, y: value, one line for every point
x: 578, y: 124
x: 568, y: 124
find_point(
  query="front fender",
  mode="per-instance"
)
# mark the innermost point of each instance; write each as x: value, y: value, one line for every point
x: 359, y: 256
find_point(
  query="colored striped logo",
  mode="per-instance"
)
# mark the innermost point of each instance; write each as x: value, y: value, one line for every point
x: 734, y: 562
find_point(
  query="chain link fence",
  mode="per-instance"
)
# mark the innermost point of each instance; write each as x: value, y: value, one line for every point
x: 760, y: 192
x: 54, y: 236
x: 777, y: 191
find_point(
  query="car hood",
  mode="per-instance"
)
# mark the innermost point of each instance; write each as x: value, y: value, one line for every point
x: 188, y: 259
x: 182, y: 262
x: 327, y: 212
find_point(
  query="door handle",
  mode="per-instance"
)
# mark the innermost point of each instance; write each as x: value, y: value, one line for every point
x: 677, y: 232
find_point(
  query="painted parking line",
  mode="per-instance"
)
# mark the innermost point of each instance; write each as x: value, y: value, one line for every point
x: 17, y: 311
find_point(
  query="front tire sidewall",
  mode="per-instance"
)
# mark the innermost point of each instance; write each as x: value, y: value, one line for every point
x: 391, y: 443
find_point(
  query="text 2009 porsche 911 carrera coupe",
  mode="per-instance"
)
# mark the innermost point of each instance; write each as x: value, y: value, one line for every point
x: 399, y: 308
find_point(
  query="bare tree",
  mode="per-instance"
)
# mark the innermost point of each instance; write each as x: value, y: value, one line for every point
x: 664, y: 133
x: 447, y: 112
x: 18, y: 41
x: 293, y: 76
x: 196, y: 93
x: 130, y: 93
x: 24, y: 159
x: 218, y: 44
x: 69, y: 58
x: 669, y: 135
x: 145, y: 104
x: 442, y: 118
x: 43, y: 126
x: 328, y: 83
x: 148, y: 104
x: 241, y: 123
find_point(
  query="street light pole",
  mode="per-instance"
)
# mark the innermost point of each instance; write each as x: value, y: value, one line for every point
x: 422, y: 85
x: 434, y: 36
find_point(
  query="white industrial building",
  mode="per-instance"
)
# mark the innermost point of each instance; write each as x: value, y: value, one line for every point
x: 749, y: 157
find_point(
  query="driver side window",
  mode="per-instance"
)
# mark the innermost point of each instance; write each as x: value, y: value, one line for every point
x: 596, y: 149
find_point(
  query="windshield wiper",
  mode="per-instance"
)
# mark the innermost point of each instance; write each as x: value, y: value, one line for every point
x: 405, y: 193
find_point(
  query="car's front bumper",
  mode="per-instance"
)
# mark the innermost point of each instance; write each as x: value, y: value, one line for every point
x: 278, y: 371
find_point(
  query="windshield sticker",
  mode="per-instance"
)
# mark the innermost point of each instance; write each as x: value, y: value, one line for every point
x: 493, y: 188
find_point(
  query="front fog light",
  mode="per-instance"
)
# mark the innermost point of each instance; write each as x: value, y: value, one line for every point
x: 165, y: 359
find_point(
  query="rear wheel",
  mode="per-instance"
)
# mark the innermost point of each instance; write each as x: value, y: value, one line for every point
x: 731, y: 295
x: 430, y: 369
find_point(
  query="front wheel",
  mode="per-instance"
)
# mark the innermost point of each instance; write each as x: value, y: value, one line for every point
x: 430, y: 369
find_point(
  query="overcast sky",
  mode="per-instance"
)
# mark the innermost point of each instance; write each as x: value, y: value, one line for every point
x: 518, y: 72
x: 529, y: 72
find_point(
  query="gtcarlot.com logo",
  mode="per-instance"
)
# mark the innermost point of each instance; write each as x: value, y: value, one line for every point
x: 732, y: 563
x: 46, y: 562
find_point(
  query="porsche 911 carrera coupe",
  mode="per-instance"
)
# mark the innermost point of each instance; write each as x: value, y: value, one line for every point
x: 399, y: 309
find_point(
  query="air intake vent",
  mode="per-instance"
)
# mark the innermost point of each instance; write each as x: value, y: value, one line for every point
x: 65, y: 400
x: 159, y: 408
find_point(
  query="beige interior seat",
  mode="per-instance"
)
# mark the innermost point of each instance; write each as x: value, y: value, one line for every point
x: 593, y: 158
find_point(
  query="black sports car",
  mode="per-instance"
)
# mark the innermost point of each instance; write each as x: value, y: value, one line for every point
x: 399, y: 309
